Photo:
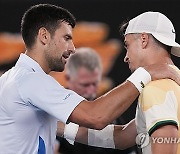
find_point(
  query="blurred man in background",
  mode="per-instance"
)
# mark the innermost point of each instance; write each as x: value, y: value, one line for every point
x: 83, y: 75
x: 84, y: 72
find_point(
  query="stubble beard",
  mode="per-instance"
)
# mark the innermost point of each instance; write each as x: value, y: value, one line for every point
x: 56, y: 64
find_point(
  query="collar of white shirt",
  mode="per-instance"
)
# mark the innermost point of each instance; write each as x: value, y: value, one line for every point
x: 25, y: 60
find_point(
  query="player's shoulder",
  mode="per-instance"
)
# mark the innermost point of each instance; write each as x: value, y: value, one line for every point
x: 162, y: 85
x: 156, y: 92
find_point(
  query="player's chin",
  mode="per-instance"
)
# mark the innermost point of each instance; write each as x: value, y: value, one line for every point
x: 132, y: 69
x: 59, y: 68
x: 90, y: 98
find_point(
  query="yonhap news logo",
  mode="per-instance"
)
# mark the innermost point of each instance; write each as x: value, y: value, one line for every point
x: 142, y: 140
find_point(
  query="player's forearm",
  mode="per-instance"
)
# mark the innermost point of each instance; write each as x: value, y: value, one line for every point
x: 98, y: 138
x: 124, y: 137
x: 112, y: 136
x: 112, y: 105
x: 60, y: 129
x: 99, y: 113
x: 82, y: 135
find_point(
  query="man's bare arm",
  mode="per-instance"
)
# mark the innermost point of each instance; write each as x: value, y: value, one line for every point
x: 126, y: 137
x: 121, y: 136
x: 168, y: 131
x: 102, y: 111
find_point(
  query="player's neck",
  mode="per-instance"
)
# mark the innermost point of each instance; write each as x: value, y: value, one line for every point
x: 39, y: 59
x: 159, y: 57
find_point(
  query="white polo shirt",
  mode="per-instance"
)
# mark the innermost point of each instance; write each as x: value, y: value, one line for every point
x: 31, y: 102
x: 158, y: 105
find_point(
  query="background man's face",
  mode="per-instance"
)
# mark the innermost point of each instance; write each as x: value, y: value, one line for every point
x: 85, y: 82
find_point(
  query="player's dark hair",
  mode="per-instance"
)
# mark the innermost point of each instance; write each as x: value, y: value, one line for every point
x: 43, y: 15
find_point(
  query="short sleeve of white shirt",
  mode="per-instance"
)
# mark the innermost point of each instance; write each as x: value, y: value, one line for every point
x: 45, y: 93
x: 159, y: 104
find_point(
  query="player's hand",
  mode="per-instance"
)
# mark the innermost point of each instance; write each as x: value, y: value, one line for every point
x: 161, y: 71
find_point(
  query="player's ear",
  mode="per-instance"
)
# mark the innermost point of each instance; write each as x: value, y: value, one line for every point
x: 43, y: 35
x: 144, y: 39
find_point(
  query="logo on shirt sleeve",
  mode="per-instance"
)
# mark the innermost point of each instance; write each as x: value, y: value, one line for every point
x: 67, y: 96
x: 142, y: 84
